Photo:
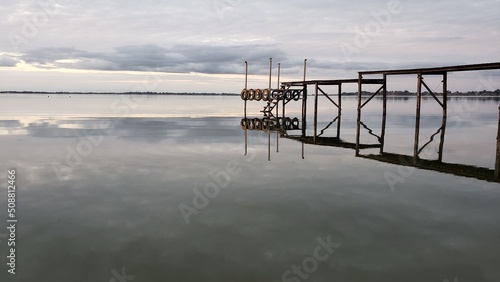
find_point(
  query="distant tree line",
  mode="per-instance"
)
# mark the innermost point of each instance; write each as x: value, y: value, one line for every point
x: 364, y: 93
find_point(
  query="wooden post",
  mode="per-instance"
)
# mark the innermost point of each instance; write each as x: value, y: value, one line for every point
x: 284, y: 103
x: 358, y: 129
x: 339, y: 111
x: 445, y: 114
x: 417, y: 119
x: 303, y: 150
x: 304, y: 109
x: 315, y: 112
x: 384, y: 115
x: 497, y: 163
x: 278, y: 86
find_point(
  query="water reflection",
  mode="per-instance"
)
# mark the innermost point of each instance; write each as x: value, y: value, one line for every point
x: 287, y: 127
x: 125, y: 196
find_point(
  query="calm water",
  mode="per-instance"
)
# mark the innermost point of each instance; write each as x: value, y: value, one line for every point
x: 127, y: 188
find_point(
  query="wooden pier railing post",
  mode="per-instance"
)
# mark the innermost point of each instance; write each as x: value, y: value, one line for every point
x: 278, y: 86
x: 417, y: 118
x: 497, y: 163
x: 358, y: 129
x: 384, y: 115
x: 339, y: 110
x: 445, y: 114
x: 315, y: 111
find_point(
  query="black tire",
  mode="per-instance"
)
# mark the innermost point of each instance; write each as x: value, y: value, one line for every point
x: 244, y: 95
x: 266, y: 95
x: 257, y: 124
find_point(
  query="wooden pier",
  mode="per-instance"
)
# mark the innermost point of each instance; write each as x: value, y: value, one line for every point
x: 287, y: 92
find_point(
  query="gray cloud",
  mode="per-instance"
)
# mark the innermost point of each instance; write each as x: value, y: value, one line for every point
x: 215, y: 37
x: 6, y: 61
x: 151, y: 57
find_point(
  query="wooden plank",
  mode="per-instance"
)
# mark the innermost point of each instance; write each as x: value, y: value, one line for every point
x: 437, y: 70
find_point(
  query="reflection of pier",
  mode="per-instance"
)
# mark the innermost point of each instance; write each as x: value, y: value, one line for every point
x: 298, y: 91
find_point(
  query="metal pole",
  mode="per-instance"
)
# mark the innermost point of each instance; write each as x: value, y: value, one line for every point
x: 304, y: 102
x: 246, y: 74
x: 246, y: 142
x: 305, y: 69
x: 277, y: 141
x: 279, y: 74
x: 246, y: 85
x: 360, y: 88
x: 417, y: 119
x: 497, y: 163
x: 268, y: 144
x: 315, y: 112
x: 270, y: 72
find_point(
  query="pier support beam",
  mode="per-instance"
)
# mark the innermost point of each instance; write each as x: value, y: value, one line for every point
x: 316, y: 90
x: 358, y: 129
x: 339, y: 110
x: 445, y: 114
x: 497, y: 163
x: 417, y: 118
x: 384, y: 114
x: 304, y: 110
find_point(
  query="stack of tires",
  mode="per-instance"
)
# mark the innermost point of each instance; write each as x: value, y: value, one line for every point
x: 270, y: 124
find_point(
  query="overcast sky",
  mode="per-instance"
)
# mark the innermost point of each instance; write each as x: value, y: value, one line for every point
x: 201, y: 45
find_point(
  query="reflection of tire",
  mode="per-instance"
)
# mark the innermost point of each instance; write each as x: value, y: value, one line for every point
x: 244, y: 124
x: 258, y: 95
x: 250, y: 124
x: 287, y: 123
x: 296, y: 95
x: 266, y: 125
x: 279, y: 122
x: 274, y: 95
x: 243, y: 94
x: 295, y: 123
x: 251, y: 94
x: 266, y: 95
x: 257, y: 124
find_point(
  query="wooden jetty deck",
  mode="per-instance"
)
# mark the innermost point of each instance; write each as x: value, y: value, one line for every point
x: 297, y: 91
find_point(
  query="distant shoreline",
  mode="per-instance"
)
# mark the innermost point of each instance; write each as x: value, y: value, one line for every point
x: 470, y: 94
